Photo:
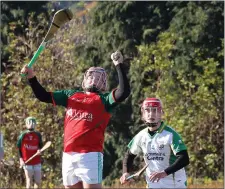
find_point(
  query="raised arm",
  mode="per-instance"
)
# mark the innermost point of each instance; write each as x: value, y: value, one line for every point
x: 40, y: 93
x: 123, y: 90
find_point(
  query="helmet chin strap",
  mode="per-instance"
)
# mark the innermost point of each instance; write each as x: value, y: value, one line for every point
x: 31, y: 129
x: 92, y: 89
x: 152, y: 124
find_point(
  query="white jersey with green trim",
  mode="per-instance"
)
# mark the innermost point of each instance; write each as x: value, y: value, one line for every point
x: 159, y: 152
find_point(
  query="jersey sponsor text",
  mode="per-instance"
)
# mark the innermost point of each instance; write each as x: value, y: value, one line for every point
x: 79, y: 115
x: 30, y: 147
x: 155, y: 156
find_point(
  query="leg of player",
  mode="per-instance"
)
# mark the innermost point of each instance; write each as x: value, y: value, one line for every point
x: 85, y: 185
x: 1, y: 150
x: 82, y: 170
x: 77, y: 185
x: 70, y: 180
x: 37, y: 176
x: 90, y: 170
x: 29, y: 173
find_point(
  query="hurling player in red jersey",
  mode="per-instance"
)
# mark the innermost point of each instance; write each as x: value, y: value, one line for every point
x: 30, y: 142
x: 87, y: 114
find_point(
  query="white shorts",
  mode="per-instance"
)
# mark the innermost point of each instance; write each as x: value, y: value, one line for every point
x: 36, y: 167
x: 85, y: 167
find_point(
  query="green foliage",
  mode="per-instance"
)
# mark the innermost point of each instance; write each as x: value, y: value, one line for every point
x: 14, y: 16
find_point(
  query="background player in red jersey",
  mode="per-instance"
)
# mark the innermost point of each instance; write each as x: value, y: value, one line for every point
x: 29, y: 142
x: 87, y: 115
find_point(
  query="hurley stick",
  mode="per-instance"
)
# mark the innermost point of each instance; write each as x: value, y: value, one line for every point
x: 60, y: 18
x: 138, y: 174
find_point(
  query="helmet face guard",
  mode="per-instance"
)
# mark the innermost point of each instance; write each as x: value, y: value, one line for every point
x: 95, y: 80
x: 152, y: 111
x: 30, y: 123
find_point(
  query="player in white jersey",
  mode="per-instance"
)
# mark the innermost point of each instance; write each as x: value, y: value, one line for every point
x: 162, y: 148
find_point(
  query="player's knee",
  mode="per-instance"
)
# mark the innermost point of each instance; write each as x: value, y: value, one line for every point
x: 37, y: 180
x: 37, y: 185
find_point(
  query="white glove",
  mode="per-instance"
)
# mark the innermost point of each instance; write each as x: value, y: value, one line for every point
x: 117, y: 57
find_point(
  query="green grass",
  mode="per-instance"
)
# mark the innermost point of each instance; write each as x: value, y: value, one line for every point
x: 192, y: 183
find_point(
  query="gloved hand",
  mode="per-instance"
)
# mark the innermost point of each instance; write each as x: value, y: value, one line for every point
x: 28, y: 71
x: 123, y: 178
x: 117, y: 58
x: 21, y: 162
x: 39, y: 151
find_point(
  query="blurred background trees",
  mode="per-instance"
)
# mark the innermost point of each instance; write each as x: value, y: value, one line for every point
x: 172, y: 50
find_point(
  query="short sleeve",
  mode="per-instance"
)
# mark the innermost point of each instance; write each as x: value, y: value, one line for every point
x: 177, y: 143
x: 19, y: 141
x: 134, y: 145
x: 108, y: 101
x: 40, y: 144
x: 61, y: 97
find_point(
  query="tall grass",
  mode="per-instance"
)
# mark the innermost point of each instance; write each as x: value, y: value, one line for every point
x: 7, y: 182
x: 192, y: 183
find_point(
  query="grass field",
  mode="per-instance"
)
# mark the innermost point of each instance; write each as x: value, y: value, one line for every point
x: 192, y: 183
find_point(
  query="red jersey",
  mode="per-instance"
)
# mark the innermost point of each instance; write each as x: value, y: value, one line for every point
x: 86, y: 119
x: 28, y: 143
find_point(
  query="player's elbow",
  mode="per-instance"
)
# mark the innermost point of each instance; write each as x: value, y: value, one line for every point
x: 188, y: 161
x: 125, y: 94
x: 122, y: 97
x: 44, y: 97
